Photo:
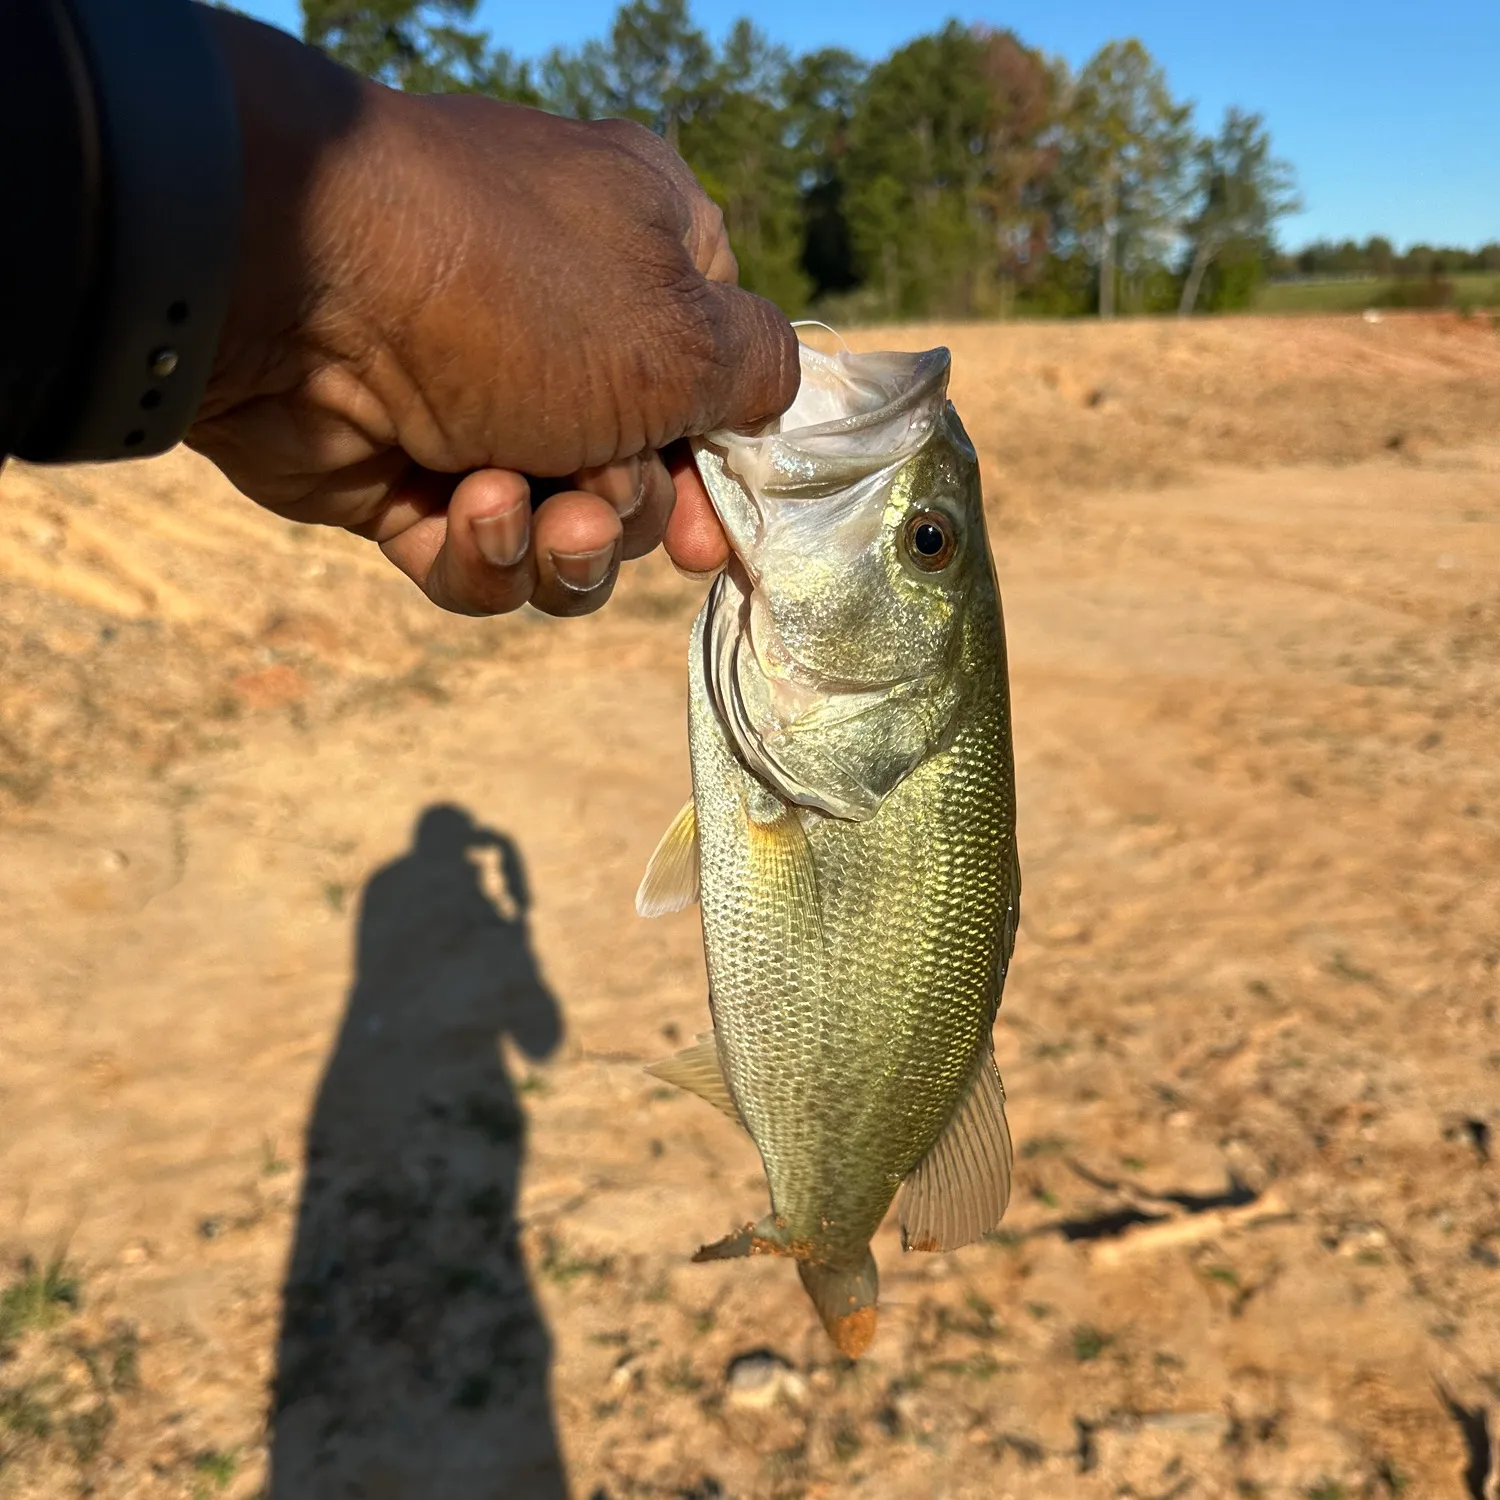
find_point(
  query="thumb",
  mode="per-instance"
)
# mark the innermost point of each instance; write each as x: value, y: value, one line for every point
x: 755, y: 371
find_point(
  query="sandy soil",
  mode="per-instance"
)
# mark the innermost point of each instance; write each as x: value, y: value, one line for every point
x: 324, y: 1006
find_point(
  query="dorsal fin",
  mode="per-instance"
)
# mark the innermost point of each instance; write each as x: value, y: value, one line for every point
x: 697, y: 1070
x: 671, y: 878
x: 959, y: 1190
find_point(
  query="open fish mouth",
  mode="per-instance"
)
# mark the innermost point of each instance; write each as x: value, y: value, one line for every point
x: 855, y: 417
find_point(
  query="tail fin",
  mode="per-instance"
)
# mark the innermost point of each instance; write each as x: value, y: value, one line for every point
x: 845, y: 1300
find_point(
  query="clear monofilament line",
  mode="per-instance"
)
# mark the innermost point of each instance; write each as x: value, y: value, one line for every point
x: 802, y: 323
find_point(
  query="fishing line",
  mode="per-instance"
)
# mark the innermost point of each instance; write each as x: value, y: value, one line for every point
x: 814, y: 323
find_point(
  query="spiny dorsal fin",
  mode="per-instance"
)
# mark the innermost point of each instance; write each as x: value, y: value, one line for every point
x: 697, y: 1070
x: 959, y: 1190
x: 671, y: 878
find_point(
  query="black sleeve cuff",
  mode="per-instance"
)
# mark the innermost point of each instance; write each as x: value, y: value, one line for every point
x: 167, y: 234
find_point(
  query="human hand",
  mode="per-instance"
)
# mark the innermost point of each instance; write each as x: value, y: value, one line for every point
x: 441, y: 295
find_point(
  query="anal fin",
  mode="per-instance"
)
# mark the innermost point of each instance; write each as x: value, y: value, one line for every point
x: 697, y: 1070
x: 959, y: 1190
x: 671, y: 879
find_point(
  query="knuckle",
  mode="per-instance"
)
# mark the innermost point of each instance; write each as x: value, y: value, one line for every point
x: 629, y: 137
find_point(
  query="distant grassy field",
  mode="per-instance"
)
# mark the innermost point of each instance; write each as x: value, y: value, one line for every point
x: 1471, y: 289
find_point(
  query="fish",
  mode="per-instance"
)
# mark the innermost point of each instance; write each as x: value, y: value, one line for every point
x: 850, y: 838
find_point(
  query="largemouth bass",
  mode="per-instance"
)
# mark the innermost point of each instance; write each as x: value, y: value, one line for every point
x: 851, y: 834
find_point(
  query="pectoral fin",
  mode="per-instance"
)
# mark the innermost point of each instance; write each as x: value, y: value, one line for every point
x: 671, y: 879
x: 781, y: 863
x: 697, y: 1070
x: 959, y: 1190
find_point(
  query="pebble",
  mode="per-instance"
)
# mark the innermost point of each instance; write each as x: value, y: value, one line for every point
x: 761, y: 1379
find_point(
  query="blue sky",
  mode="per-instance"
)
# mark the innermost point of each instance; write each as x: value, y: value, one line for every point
x: 1389, y: 111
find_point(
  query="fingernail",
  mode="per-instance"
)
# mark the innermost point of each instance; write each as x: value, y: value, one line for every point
x: 584, y: 571
x: 693, y: 577
x: 623, y: 485
x: 638, y: 499
x: 503, y: 539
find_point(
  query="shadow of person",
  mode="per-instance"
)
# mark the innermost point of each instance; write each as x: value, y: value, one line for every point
x: 413, y: 1362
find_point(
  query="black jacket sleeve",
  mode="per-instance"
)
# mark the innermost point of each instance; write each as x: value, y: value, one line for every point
x: 121, y: 180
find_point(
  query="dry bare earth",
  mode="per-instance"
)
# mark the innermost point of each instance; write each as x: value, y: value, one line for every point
x: 296, y: 1091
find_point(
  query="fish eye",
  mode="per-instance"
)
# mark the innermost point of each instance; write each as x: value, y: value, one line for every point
x: 930, y: 540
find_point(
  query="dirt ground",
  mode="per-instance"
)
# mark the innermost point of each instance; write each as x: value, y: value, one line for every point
x: 328, y: 1167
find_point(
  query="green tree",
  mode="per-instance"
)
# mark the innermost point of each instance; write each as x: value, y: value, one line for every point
x: 1380, y: 255
x: 946, y: 148
x: 418, y: 45
x: 822, y: 92
x: 737, y: 142
x: 1240, y: 190
x: 915, y: 162
x: 1125, y: 146
x: 654, y: 67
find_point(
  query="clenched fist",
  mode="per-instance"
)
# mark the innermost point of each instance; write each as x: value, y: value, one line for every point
x: 439, y: 296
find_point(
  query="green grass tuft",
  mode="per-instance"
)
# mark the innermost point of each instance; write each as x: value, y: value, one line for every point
x: 1325, y: 1489
x: 1089, y: 1343
x: 41, y: 1299
x: 215, y: 1468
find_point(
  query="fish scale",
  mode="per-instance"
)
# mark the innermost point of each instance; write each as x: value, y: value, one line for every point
x: 853, y: 825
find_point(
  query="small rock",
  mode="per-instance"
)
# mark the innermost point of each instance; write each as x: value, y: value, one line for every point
x: 625, y: 1374
x: 113, y: 861
x: 760, y: 1379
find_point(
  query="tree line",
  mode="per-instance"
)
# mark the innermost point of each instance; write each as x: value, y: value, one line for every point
x: 1379, y: 258
x: 966, y: 174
